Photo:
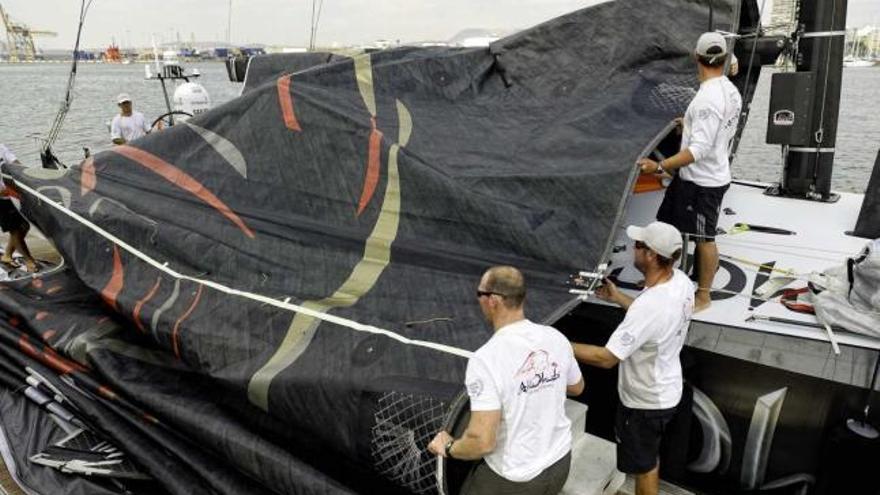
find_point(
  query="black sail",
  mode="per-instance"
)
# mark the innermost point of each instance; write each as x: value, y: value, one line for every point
x: 285, y: 285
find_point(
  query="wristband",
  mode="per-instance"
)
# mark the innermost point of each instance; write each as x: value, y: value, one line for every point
x: 660, y: 169
x: 448, y: 447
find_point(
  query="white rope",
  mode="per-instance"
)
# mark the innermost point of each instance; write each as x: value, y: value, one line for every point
x: 336, y: 320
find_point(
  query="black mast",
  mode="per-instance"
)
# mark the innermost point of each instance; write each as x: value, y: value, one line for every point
x: 804, y: 105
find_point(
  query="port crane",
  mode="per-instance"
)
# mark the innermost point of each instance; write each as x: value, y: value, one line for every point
x: 20, y: 39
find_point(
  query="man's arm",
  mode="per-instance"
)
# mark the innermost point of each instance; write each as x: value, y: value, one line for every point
x: 681, y: 159
x: 478, y: 439
x: 594, y: 355
x: 116, y: 132
x: 146, y: 127
x: 576, y: 389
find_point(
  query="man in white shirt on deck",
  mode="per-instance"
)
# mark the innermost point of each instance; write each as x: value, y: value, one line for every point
x: 517, y: 383
x: 128, y: 125
x: 693, y: 200
x: 647, y: 345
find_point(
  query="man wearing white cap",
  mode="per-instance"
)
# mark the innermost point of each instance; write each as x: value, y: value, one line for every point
x: 128, y: 125
x: 693, y: 200
x: 647, y: 345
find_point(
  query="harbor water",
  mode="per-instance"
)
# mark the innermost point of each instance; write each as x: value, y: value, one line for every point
x: 30, y: 95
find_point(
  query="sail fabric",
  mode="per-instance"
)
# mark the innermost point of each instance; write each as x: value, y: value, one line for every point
x: 285, y: 285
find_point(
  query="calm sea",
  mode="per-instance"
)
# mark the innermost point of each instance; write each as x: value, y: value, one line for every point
x: 30, y: 95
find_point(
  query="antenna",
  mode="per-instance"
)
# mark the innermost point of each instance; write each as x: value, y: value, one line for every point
x: 229, y: 25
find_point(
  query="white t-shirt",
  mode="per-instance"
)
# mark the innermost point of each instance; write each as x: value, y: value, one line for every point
x: 648, y: 343
x: 524, y: 370
x: 709, y: 127
x: 6, y: 156
x: 129, y: 128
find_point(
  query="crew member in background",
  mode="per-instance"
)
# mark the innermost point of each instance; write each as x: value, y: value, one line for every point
x: 13, y: 223
x: 128, y: 125
x: 517, y: 383
x: 693, y: 200
x: 647, y: 345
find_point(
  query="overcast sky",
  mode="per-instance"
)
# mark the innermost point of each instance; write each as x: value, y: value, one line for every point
x: 286, y: 22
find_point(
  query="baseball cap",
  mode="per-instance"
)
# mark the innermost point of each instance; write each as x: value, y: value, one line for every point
x: 711, y: 45
x: 661, y: 237
x: 123, y: 97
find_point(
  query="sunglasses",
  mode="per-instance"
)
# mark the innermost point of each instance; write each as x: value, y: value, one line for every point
x: 640, y: 245
x: 487, y: 293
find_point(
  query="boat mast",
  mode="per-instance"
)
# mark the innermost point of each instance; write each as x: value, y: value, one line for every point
x: 805, y: 105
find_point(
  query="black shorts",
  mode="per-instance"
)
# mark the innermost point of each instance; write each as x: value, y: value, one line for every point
x: 639, y: 432
x: 692, y: 208
x: 10, y: 218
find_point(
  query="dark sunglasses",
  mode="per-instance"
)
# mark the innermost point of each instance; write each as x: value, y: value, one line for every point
x: 640, y: 245
x: 487, y: 293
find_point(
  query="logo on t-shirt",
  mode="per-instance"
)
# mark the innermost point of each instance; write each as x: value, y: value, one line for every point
x: 475, y: 388
x: 537, y: 372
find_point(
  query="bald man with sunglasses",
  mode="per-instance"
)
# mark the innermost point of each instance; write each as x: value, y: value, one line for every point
x: 517, y: 383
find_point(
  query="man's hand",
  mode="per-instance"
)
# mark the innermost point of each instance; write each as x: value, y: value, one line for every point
x: 679, y: 125
x: 648, y: 166
x: 608, y: 292
x: 438, y: 444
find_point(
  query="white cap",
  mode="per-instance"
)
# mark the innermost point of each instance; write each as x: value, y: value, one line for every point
x: 123, y: 97
x: 711, y: 45
x: 661, y: 237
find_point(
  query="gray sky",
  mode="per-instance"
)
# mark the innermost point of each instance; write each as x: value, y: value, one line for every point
x: 286, y: 22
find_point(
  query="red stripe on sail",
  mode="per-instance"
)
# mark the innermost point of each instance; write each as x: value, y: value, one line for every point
x: 106, y: 392
x: 285, y: 99
x: 48, y: 357
x: 140, y: 304
x: 182, y: 180
x: 88, y: 179
x: 175, y: 333
x: 25, y: 345
x: 372, y: 178
x: 114, y: 285
x: 60, y: 364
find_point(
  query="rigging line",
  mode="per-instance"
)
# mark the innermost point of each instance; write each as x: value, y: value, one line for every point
x: 745, y: 110
x: 726, y: 239
x: 765, y: 267
x: 753, y: 296
x: 317, y: 21
x: 57, y: 124
x: 819, y: 136
x: 793, y: 248
x: 163, y: 267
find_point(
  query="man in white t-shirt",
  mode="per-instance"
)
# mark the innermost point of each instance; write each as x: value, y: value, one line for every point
x: 12, y: 222
x: 693, y: 200
x: 647, y: 345
x: 128, y: 125
x: 517, y: 383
